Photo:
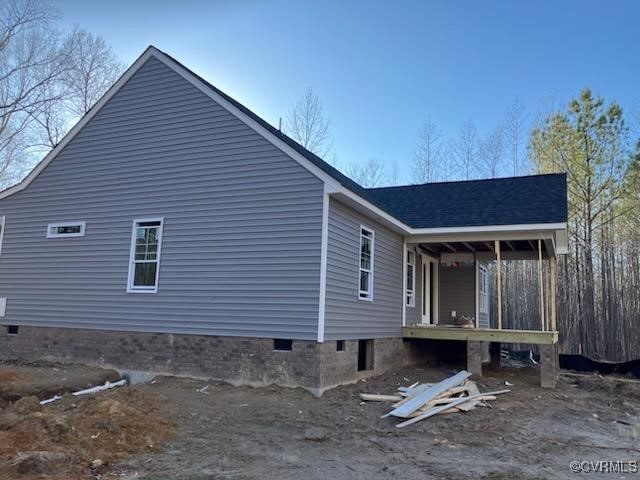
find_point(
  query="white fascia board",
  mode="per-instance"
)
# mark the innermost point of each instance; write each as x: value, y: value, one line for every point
x: 490, y: 228
x: 324, y: 248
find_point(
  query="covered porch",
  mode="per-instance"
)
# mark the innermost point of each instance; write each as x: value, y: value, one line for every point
x: 454, y: 290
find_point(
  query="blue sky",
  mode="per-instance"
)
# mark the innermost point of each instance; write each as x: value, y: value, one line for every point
x: 381, y: 68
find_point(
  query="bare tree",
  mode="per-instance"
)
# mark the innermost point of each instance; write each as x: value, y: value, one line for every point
x: 308, y: 125
x: 491, y: 154
x: 93, y: 68
x: 371, y: 173
x: 427, y: 153
x: 449, y: 161
x: 395, y: 173
x: 46, y: 82
x: 30, y: 62
x: 51, y: 121
x: 466, y: 149
x: 515, y: 133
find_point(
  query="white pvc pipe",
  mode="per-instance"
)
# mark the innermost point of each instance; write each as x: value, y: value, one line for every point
x: 108, y: 385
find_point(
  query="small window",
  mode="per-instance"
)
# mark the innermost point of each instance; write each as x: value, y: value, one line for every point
x: 340, y: 346
x: 282, y: 344
x: 12, y: 329
x: 65, y: 229
x: 483, y: 287
x: 144, y: 264
x: 367, y: 239
x: 411, y: 279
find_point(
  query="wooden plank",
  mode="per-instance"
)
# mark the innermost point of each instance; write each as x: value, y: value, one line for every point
x: 454, y: 391
x: 442, y: 408
x: 470, y: 405
x: 411, y: 387
x: 473, y: 389
x: 372, y: 397
x: 414, y: 403
x: 481, y: 335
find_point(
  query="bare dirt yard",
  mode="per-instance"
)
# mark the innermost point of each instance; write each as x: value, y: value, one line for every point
x: 179, y: 429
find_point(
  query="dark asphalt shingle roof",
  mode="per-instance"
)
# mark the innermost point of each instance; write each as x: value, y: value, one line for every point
x: 506, y: 201
x: 500, y: 201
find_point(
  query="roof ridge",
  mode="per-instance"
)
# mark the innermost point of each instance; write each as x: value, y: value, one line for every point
x: 448, y: 182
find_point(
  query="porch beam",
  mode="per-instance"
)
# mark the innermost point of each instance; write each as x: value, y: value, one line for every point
x: 450, y: 247
x: 489, y: 246
x: 499, y: 282
x: 469, y: 246
x: 513, y: 249
x: 541, y: 285
x: 481, y: 335
x: 429, y: 249
x: 509, y: 255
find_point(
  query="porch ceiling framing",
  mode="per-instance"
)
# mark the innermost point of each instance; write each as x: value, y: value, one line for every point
x: 501, y: 246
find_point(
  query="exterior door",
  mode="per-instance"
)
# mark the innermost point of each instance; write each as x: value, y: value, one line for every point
x: 429, y: 290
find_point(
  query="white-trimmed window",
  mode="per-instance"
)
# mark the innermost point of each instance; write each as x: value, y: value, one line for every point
x: 65, y: 229
x: 411, y: 279
x: 144, y: 263
x: 367, y: 242
x: 483, y: 287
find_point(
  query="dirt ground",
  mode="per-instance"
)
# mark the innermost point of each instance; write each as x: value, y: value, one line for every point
x: 216, y: 431
x: 45, y: 380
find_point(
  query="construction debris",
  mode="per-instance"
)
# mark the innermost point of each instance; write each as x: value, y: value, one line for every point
x: 420, y: 401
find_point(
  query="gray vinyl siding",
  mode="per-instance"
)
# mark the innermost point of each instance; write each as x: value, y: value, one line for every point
x: 346, y: 316
x: 242, y: 223
x: 457, y: 292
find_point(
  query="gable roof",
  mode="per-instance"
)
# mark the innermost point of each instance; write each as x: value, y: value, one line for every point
x: 312, y: 157
x: 404, y: 207
x: 533, y: 199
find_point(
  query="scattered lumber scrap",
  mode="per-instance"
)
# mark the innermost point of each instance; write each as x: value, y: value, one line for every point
x: 420, y: 401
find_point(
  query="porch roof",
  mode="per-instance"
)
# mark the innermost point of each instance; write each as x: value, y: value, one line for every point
x: 534, y: 199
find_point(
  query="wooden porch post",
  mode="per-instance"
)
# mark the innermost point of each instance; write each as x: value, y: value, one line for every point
x: 553, y: 293
x: 541, y: 282
x: 499, y: 282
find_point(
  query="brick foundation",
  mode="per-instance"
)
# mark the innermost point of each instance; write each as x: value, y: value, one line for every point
x: 238, y: 360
